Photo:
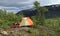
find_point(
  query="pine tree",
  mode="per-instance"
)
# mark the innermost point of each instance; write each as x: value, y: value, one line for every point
x: 40, y: 12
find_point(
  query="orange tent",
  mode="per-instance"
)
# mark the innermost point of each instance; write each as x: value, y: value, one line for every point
x: 26, y: 21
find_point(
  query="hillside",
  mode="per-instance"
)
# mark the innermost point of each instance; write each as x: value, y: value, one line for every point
x: 53, y: 11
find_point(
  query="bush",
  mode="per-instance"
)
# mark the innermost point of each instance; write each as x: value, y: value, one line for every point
x: 8, y: 18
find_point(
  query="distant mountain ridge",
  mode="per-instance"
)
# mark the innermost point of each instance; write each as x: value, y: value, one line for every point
x: 27, y: 12
x: 53, y: 11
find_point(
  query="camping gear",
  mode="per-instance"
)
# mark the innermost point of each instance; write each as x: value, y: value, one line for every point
x: 14, y: 26
x: 26, y: 21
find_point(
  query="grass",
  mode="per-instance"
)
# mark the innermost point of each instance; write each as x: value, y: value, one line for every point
x: 51, y: 28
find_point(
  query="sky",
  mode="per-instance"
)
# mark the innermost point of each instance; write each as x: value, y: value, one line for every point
x: 17, y: 5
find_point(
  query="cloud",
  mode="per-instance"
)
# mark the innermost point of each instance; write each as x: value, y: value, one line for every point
x: 10, y: 9
x: 15, y: 5
x: 21, y: 3
x: 49, y: 2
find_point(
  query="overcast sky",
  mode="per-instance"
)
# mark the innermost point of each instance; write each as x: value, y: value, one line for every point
x: 17, y: 5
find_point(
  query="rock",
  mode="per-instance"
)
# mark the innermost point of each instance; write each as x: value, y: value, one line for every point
x: 4, y: 32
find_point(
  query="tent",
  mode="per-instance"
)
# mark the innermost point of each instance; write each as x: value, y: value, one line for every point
x: 26, y: 21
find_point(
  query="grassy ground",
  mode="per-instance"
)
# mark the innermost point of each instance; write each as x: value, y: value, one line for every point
x: 51, y: 28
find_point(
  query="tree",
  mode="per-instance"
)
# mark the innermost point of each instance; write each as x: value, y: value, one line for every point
x: 37, y: 7
x: 40, y: 12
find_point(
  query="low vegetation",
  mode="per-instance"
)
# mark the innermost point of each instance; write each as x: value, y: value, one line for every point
x: 8, y: 18
x: 50, y: 28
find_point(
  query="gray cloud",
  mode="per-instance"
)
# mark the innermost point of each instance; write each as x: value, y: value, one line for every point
x: 20, y: 3
x: 49, y: 2
x: 15, y: 3
x: 24, y: 4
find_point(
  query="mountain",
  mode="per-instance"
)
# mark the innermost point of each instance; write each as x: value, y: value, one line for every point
x: 27, y: 12
x: 53, y: 11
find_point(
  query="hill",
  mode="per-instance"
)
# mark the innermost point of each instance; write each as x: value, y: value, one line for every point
x: 53, y: 11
